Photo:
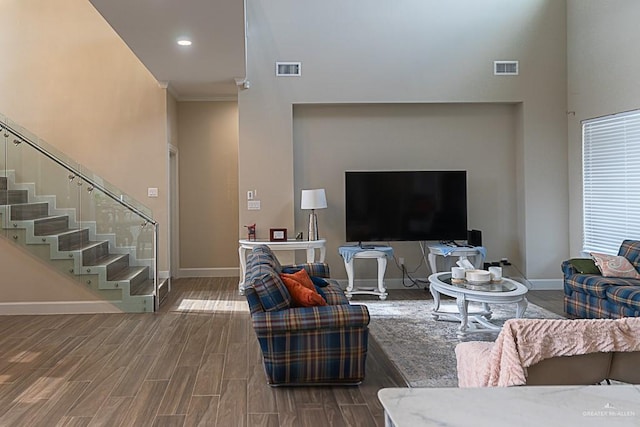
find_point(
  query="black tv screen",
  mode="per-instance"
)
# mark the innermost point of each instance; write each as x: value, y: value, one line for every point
x: 405, y: 205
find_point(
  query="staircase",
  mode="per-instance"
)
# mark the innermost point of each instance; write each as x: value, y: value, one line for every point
x: 79, y: 249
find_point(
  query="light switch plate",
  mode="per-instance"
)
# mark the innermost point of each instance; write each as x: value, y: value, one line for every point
x: 253, y: 205
x: 152, y: 192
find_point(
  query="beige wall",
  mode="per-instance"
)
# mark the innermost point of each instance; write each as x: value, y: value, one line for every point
x: 25, y: 278
x: 208, y: 133
x: 604, y: 66
x: 68, y: 78
x: 172, y: 119
x: 478, y: 138
x: 419, y: 52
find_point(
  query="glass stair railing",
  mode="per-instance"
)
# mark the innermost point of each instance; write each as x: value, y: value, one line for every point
x: 78, y: 223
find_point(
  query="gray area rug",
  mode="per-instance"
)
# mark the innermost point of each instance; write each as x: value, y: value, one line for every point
x: 422, y: 348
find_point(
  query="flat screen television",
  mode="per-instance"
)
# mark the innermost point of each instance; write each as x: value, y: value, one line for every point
x: 405, y: 205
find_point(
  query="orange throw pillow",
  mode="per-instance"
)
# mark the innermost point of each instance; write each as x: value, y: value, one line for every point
x: 301, y: 276
x: 302, y: 296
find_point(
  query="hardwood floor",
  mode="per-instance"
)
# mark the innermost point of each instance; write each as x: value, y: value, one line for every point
x: 196, y: 362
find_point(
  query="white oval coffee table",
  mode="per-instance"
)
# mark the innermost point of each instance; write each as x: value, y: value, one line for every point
x: 507, y: 291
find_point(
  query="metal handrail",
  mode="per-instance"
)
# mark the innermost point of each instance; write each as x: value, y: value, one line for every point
x: 93, y: 184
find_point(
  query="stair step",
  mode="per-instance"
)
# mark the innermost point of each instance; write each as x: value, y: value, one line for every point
x: 68, y: 239
x: 163, y: 290
x: 113, y: 262
x: 144, y: 288
x: 73, y: 240
x: 135, y: 275
x: 13, y: 197
x: 93, y: 251
x: 27, y: 211
x: 50, y: 225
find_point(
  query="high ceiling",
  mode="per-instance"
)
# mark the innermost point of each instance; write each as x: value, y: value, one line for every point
x: 205, y: 70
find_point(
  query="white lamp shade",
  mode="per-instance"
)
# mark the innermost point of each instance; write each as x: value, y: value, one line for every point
x: 313, y: 199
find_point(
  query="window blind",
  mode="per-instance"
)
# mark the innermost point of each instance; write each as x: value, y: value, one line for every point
x: 611, y: 181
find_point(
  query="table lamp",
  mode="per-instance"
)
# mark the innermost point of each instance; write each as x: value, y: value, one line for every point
x: 313, y: 199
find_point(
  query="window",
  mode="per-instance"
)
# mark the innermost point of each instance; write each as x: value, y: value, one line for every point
x: 611, y: 181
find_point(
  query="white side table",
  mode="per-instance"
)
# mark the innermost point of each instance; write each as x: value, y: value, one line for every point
x: 309, y: 246
x: 380, y: 253
x: 477, y: 253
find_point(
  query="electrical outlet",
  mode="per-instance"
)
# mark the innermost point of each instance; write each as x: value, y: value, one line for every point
x: 250, y: 195
x: 401, y: 260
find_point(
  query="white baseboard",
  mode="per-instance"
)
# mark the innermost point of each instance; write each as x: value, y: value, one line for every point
x: 208, y: 272
x: 546, y: 284
x: 57, y: 307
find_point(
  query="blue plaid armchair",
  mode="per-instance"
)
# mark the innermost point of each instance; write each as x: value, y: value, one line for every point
x: 594, y: 296
x: 304, y: 345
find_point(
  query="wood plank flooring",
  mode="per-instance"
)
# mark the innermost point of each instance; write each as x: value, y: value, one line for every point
x: 195, y: 363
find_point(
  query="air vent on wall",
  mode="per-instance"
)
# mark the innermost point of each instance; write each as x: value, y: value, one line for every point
x: 505, y: 68
x: 288, y: 69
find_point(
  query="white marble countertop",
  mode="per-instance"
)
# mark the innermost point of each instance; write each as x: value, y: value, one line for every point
x: 565, y: 406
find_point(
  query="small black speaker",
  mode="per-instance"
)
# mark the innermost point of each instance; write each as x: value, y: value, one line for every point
x: 474, y: 237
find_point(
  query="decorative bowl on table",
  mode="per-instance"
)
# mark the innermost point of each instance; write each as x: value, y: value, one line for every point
x: 478, y: 277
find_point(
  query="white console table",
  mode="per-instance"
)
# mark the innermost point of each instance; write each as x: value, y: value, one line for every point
x: 380, y: 253
x: 462, y: 252
x: 310, y: 246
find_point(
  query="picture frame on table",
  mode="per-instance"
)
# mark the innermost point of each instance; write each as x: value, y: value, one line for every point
x: 278, y: 234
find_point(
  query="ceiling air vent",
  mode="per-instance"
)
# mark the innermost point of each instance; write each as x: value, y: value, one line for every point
x: 505, y: 68
x: 288, y: 69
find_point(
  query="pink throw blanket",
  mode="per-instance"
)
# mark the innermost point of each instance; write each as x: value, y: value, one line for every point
x: 525, y: 342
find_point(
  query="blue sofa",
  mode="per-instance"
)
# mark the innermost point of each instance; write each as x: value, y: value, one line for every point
x: 305, y: 345
x: 597, y: 297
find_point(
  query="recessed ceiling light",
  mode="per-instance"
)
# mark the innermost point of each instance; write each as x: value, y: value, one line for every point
x: 184, y: 42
